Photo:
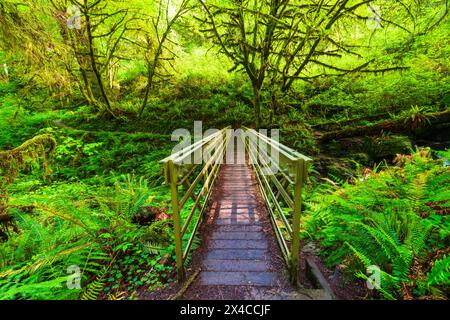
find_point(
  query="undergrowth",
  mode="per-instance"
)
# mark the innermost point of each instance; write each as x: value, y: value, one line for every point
x: 394, y: 218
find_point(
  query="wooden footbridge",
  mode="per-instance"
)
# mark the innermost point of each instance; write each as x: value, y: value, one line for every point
x: 247, y: 187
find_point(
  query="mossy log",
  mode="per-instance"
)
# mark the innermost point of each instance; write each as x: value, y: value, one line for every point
x: 394, y: 126
x: 26, y: 155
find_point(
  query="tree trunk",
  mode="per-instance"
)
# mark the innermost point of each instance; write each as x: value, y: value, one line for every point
x: 93, y: 62
x: 87, y: 88
x: 151, y: 72
x: 152, y: 67
x: 257, y: 106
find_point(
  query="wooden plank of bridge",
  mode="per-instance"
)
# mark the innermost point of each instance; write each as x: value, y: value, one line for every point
x: 238, y: 246
x: 238, y: 256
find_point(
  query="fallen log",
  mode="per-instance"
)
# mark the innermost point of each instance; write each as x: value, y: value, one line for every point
x: 394, y: 126
x: 12, y: 161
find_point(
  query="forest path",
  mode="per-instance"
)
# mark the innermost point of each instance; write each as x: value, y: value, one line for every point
x: 239, y: 257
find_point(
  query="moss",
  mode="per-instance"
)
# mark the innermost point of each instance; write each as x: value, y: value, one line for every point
x: 387, y: 146
x: 27, y: 155
x: 341, y: 168
x: 299, y: 137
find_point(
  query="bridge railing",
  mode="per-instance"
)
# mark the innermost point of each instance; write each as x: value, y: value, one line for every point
x: 281, y: 173
x: 190, y: 174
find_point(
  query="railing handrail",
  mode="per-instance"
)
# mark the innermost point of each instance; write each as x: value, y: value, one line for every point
x: 298, y: 163
x: 208, y: 172
x: 180, y: 155
x: 288, y: 152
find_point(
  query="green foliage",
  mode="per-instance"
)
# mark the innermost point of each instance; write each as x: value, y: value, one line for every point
x: 391, y: 219
x: 94, y: 289
x: 414, y: 118
x: 440, y: 273
x: 96, y: 231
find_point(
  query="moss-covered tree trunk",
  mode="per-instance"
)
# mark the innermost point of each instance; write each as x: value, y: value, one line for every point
x: 257, y: 106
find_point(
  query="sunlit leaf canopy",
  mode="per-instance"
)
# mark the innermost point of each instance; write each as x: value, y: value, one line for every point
x: 291, y: 39
x: 290, y: 31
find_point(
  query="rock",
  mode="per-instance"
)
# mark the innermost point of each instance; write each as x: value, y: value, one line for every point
x: 310, y: 248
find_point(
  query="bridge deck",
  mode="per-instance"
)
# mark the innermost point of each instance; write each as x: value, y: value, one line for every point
x: 238, y: 246
x: 239, y: 256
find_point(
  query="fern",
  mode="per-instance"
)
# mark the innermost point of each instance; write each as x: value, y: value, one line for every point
x: 418, y: 188
x: 153, y: 248
x: 384, y: 289
x: 94, y: 289
x: 417, y: 237
x: 336, y: 180
x: 395, y: 252
x: 361, y: 256
x: 42, y: 262
x: 440, y: 273
x: 135, y: 193
x: 41, y: 290
x: 117, y: 296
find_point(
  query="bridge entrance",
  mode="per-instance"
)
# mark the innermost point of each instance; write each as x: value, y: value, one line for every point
x: 260, y: 179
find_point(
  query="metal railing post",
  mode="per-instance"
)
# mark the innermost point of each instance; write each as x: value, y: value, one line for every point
x: 295, y: 246
x: 176, y: 219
